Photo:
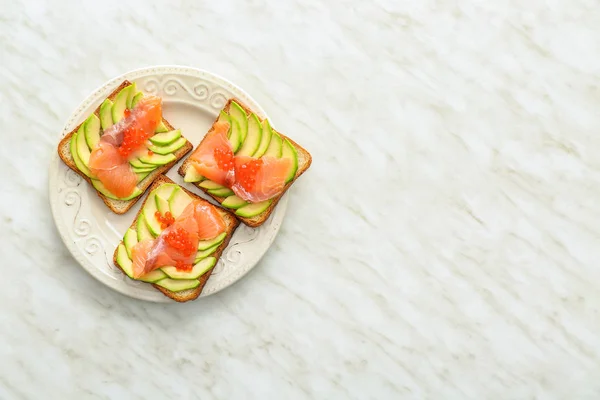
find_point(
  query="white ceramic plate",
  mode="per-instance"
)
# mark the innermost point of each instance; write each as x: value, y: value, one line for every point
x: 192, y: 99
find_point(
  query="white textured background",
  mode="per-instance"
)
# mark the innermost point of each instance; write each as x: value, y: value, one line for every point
x: 444, y: 245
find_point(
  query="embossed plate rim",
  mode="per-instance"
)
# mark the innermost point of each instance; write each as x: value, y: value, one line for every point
x: 240, y: 250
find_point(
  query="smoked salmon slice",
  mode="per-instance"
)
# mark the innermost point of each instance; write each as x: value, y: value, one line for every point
x: 109, y: 160
x: 259, y: 179
x: 177, y: 244
x: 213, y: 159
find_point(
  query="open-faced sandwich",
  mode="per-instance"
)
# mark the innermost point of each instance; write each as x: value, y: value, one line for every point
x: 175, y: 241
x: 123, y: 146
x: 245, y: 164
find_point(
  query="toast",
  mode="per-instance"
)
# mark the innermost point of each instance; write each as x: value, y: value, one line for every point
x: 304, y: 161
x: 231, y: 224
x: 119, y: 206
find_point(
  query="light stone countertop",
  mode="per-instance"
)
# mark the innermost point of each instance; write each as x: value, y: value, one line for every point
x: 445, y: 243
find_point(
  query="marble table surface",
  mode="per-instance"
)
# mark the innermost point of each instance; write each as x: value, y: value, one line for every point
x: 444, y: 244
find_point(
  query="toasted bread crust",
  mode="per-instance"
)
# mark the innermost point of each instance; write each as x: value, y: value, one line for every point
x: 231, y: 222
x: 262, y: 217
x: 119, y: 206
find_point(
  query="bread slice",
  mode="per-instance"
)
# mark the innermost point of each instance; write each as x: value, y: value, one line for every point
x: 119, y: 206
x: 304, y: 161
x: 231, y: 223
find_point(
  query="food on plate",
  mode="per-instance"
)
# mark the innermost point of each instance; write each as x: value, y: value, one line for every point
x: 245, y: 164
x: 175, y: 241
x: 123, y: 146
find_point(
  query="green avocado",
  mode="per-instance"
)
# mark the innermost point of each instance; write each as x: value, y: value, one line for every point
x: 265, y: 139
x: 120, y: 104
x: 131, y: 95
x: 289, y: 151
x: 197, y: 271
x: 275, y: 146
x: 169, y: 148
x: 176, y: 285
x: 130, y: 240
x: 253, y: 209
x: 136, y: 99
x: 205, y: 253
x: 206, y: 244
x: 153, y: 276
x: 237, y: 113
x: 124, y: 261
x: 224, y: 192
x: 73, y: 147
x: 106, y: 114
x: 158, y: 159
x: 252, y: 140
x: 165, y: 138
x: 234, y: 202
x: 210, y: 185
x: 141, y: 228
x: 192, y: 175
x: 102, y: 189
x: 178, y: 201
x: 92, y: 131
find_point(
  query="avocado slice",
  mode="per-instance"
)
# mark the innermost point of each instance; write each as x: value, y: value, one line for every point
x: 250, y: 144
x: 145, y: 169
x: 224, y: 117
x: 289, y: 151
x: 83, y: 151
x: 192, y: 175
x: 265, y: 139
x: 150, y: 207
x: 106, y: 114
x: 124, y: 261
x: 253, y: 209
x: 206, y: 244
x: 102, y: 189
x: 237, y: 113
x: 136, y: 99
x: 153, y: 276
x: 161, y: 128
x: 165, y: 138
x: 165, y: 190
x: 73, y: 147
x: 158, y: 159
x: 130, y: 239
x: 210, y: 185
x: 131, y: 95
x: 149, y: 212
x: 275, y: 146
x: 92, y: 131
x: 120, y: 104
x: 178, y: 201
x: 225, y: 192
x: 205, y: 253
x: 197, y: 270
x: 177, y: 285
x: 142, y: 175
x: 234, y: 202
x: 141, y: 228
x: 235, y: 137
x: 136, y: 163
x: 162, y: 205
x: 170, y: 148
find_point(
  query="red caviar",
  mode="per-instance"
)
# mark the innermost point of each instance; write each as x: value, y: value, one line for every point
x: 181, y: 266
x: 224, y: 158
x: 246, y: 173
x: 150, y: 152
x: 133, y: 139
x: 179, y: 239
x: 165, y: 220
